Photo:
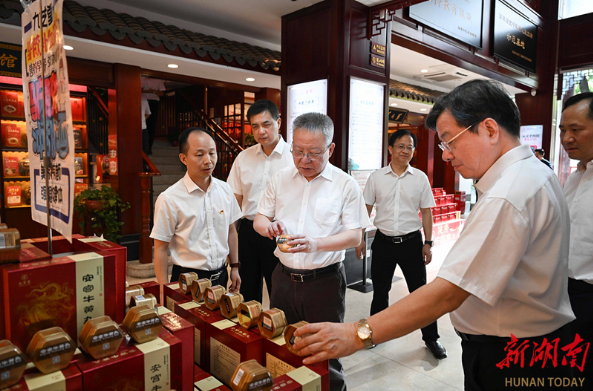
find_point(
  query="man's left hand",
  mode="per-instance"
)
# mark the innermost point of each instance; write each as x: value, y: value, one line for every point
x: 303, y: 244
x: 327, y: 340
x: 427, y: 253
x: 235, y: 280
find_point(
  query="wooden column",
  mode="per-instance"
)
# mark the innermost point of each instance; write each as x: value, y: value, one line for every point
x: 270, y: 94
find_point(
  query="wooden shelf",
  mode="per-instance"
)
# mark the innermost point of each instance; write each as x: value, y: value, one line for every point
x: 15, y: 178
x: 5, y: 118
x: 17, y: 207
x: 14, y: 149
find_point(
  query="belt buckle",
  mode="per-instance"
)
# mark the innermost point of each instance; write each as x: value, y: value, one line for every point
x: 398, y: 240
x: 294, y: 279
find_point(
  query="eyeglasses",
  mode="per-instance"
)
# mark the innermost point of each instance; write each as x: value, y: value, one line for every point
x: 310, y: 156
x: 446, y: 144
x: 401, y: 147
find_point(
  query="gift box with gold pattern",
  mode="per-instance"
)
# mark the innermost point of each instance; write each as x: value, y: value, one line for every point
x: 303, y: 378
x: 68, y: 379
x: 184, y: 331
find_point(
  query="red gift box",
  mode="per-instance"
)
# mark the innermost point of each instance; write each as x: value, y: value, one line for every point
x: 30, y: 253
x: 13, y: 196
x: 303, y: 378
x: 60, y: 245
x: 77, y: 109
x: 199, y: 316
x: 11, y: 134
x: 11, y: 166
x: 279, y: 360
x: 204, y: 381
x: 229, y: 345
x: 438, y: 219
x: 63, y: 292
x: 173, y: 295
x: 9, y: 104
x: 136, y: 366
x: 184, y: 331
x: 152, y: 287
x: 69, y: 379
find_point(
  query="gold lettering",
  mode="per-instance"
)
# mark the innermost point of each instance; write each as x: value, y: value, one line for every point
x: 7, y: 60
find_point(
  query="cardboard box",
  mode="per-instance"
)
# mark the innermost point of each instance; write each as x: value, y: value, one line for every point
x: 62, y: 292
x: 9, y: 104
x: 303, y: 378
x: 203, y: 381
x: 184, y: 331
x: 69, y: 379
x: 152, y: 287
x: 199, y: 316
x: 136, y: 366
x: 229, y: 345
x: 13, y: 134
x: 172, y: 295
x: 279, y: 360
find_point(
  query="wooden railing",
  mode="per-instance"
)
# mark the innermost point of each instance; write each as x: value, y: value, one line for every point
x: 147, y: 207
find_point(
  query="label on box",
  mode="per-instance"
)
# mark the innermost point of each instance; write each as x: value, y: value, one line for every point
x: 90, y: 295
x: 51, y: 382
x: 157, y: 364
x: 277, y: 367
x: 279, y: 340
x: 163, y: 310
x: 170, y: 304
x: 223, y: 361
x: 197, y: 344
x: 309, y: 380
x: 189, y: 305
x: 207, y: 384
x: 223, y: 324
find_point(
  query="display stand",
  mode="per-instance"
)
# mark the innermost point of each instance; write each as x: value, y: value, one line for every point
x: 365, y: 286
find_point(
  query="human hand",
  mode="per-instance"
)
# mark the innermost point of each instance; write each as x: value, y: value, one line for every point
x: 327, y: 340
x: 427, y: 253
x: 360, y: 250
x: 277, y: 228
x: 302, y: 244
x: 235, y: 280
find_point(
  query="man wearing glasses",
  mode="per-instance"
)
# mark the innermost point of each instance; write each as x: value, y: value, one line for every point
x: 505, y: 279
x: 322, y: 209
x: 400, y: 191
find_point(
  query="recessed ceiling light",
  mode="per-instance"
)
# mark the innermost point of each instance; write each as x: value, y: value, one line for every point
x: 68, y: 47
x: 394, y: 104
x: 424, y: 70
x: 422, y: 109
x: 250, y: 79
x: 173, y: 66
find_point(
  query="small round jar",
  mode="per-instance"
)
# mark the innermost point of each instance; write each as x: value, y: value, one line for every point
x: 100, y: 337
x: 251, y: 376
x: 51, y: 350
x: 289, y: 336
x: 131, y: 291
x: 185, y: 280
x: 229, y: 304
x: 11, y: 251
x: 212, y: 296
x: 282, y: 241
x: 249, y: 313
x: 198, y: 287
x: 142, y: 323
x: 148, y: 300
x: 272, y: 323
x: 12, y: 364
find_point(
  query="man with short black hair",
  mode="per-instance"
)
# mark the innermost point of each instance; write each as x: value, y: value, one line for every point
x: 249, y: 177
x: 194, y: 218
x: 539, y: 153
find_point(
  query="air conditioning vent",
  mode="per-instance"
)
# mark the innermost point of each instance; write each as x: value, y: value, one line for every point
x: 442, y: 76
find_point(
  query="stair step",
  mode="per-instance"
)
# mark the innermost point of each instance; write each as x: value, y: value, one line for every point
x: 169, y: 152
x: 162, y: 159
x: 177, y: 169
x: 166, y: 179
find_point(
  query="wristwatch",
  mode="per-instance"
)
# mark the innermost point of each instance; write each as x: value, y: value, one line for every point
x: 365, y: 334
x: 429, y: 242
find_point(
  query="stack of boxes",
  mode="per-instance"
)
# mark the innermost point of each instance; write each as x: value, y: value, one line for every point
x: 446, y: 209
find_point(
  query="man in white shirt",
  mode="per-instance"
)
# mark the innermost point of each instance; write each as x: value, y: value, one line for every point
x: 322, y: 209
x: 145, y: 136
x: 400, y: 191
x: 507, y: 273
x: 249, y: 177
x: 576, y: 134
x: 152, y: 90
x: 195, y: 217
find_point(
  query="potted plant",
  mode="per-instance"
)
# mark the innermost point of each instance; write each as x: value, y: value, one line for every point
x: 102, y: 206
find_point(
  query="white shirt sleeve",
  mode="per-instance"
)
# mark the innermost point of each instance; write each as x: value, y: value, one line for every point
x: 234, y: 178
x: 236, y: 213
x: 354, y: 213
x: 369, y: 191
x: 145, y: 107
x: 267, y: 205
x: 426, y: 198
x: 165, y: 219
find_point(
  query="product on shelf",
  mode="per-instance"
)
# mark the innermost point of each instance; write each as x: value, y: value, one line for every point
x: 249, y: 313
x: 26, y: 194
x: 147, y: 299
x: 289, y: 336
x: 77, y: 138
x: 100, y: 337
x: 212, y: 297
x: 12, y: 134
x: 51, y: 350
x: 24, y: 166
x: 12, y: 364
x: 131, y: 291
x: 78, y: 166
x: 198, y: 287
x: 9, y: 104
x: 10, y: 245
x: 142, y: 323
x: 252, y: 376
x: 229, y: 304
x: 272, y: 323
x: 185, y: 281
x: 11, y: 166
x: 13, y: 194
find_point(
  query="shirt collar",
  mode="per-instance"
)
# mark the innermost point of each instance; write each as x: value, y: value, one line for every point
x: 279, y: 149
x: 583, y: 167
x: 191, y: 185
x: 390, y: 170
x: 505, y: 161
x: 327, y: 172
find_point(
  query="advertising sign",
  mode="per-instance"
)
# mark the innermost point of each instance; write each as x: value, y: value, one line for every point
x: 532, y: 136
x: 305, y: 98
x: 10, y: 60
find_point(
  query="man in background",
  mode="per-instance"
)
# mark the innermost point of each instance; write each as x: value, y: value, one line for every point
x: 539, y: 153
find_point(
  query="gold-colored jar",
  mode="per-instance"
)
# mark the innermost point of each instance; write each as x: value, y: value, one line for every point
x: 229, y: 304
x: 51, y: 350
x: 100, y: 337
x: 10, y: 245
x: 249, y: 313
x: 251, y: 376
x: 272, y: 323
x: 281, y: 242
x: 289, y: 336
x: 3, y: 226
x: 212, y: 296
x: 185, y: 280
x: 12, y: 364
x: 198, y: 287
x: 147, y: 299
x: 131, y: 291
x: 142, y: 323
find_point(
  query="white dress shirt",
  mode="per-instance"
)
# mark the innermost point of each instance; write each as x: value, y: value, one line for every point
x: 512, y: 255
x: 195, y: 223
x: 579, y: 195
x: 252, y: 171
x: 398, y: 199
x: 328, y: 205
x: 145, y: 112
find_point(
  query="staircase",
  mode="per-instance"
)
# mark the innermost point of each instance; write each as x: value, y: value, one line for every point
x: 166, y: 158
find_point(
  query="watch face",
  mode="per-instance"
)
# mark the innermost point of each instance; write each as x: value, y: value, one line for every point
x: 364, y: 333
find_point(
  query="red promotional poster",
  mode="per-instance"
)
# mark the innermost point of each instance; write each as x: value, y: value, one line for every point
x: 13, y: 196
x: 11, y: 134
x: 77, y: 106
x: 9, y: 104
x: 79, y: 188
x: 11, y: 166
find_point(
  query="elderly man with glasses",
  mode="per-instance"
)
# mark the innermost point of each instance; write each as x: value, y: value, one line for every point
x: 505, y: 279
x: 322, y: 209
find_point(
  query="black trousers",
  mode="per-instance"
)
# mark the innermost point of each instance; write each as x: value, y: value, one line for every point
x: 258, y: 261
x: 408, y: 255
x: 581, y: 300
x: 319, y: 300
x: 222, y: 280
x: 481, y: 372
x: 145, y: 141
x: 151, y: 122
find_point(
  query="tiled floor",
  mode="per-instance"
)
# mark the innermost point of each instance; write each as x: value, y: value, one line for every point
x: 405, y: 363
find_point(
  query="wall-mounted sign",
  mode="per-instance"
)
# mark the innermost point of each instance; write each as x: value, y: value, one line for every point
x: 305, y: 98
x: 398, y: 115
x: 378, y: 49
x: 461, y: 19
x: 10, y: 60
x: 515, y: 37
x: 377, y: 61
x: 365, y: 133
x: 532, y: 135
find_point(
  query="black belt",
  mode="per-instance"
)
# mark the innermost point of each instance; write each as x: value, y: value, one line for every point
x: 504, y: 340
x: 397, y: 239
x: 298, y: 275
x: 215, y: 273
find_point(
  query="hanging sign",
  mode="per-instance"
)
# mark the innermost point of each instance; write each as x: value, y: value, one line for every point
x: 398, y: 115
x: 377, y: 61
x: 378, y: 49
x: 48, y: 115
x: 10, y: 60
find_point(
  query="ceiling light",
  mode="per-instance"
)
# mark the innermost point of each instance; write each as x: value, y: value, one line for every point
x: 424, y: 70
x: 422, y: 109
x: 173, y: 66
x: 394, y: 104
x: 68, y: 47
x: 250, y: 79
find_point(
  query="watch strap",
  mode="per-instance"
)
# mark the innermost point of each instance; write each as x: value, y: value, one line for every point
x: 368, y: 342
x: 429, y: 242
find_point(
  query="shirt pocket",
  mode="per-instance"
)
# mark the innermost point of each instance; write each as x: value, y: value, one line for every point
x: 327, y: 211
